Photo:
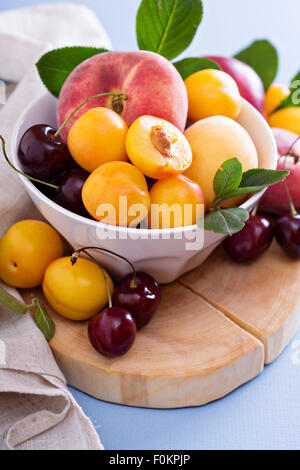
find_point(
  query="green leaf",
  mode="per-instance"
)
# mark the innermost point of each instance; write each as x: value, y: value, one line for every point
x: 167, y: 26
x: 261, y: 177
x: 229, y: 182
x: 226, y: 221
x: 55, y: 66
x: 228, y: 177
x: 263, y: 58
x: 293, y: 100
x: 11, y: 302
x: 43, y: 321
x: 187, y: 67
x: 256, y: 180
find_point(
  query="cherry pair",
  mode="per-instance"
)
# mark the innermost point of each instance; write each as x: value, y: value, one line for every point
x: 255, y: 238
x: 131, y: 307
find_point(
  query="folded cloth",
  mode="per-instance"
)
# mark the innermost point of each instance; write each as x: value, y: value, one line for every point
x: 36, y: 409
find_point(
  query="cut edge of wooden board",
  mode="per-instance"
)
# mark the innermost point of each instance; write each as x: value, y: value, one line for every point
x: 115, y: 368
x: 282, y: 337
x: 161, y: 390
x: 164, y: 392
x: 275, y: 342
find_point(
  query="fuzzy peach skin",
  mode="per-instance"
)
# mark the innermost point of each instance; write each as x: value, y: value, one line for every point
x: 214, y: 140
x: 275, y: 199
x: 151, y: 82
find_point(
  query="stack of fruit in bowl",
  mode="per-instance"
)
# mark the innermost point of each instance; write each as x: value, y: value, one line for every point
x: 93, y: 159
x: 113, y: 146
x: 135, y: 126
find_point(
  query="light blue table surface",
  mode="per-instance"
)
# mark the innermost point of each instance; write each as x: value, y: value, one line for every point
x: 265, y: 413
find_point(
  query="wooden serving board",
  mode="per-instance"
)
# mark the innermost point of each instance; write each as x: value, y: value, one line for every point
x: 214, y: 330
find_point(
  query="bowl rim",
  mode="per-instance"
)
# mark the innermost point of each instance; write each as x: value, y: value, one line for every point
x: 129, y: 230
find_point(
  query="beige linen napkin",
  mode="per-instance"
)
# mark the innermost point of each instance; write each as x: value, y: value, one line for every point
x: 36, y: 409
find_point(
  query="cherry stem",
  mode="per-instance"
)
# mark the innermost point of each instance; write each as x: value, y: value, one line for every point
x: 75, y: 257
x: 54, y: 186
x: 288, y: 153
x: 104, y: 250
x: 254, y: 210
x: 292, y: 207
x: 117, y: 97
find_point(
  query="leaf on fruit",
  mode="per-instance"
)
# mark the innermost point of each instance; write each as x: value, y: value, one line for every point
x: 293, y: 100
x: 167, y: 26
x: 229, y: 182
x: 187, y: 67
x: 43, y: 321
x: 228, y: 177
x: 261, y: 177
x: 226, y: 221
x: 11, y: 302
x: 56, y: 65
x: 262, y: 56
x: 256, y: 180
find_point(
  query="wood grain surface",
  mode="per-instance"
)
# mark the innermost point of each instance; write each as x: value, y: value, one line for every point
x: 262, y: 297
x: 215, y: 328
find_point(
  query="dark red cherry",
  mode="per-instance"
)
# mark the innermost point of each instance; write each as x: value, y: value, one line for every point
x: 42, y: 155
x: 252, y: 241
x: 49, y: 192
x: 287, y: 233
x: 69, y: 195
x: 141, y: 297
x: 112, y: 332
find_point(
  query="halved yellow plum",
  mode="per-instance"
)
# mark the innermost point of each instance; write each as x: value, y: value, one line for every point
x: 157, y: 147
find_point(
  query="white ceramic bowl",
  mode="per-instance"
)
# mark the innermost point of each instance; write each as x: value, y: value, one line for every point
x: 165, y: 254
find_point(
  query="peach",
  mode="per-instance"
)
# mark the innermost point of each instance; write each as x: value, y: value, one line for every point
x: 116, y: 193
x: 275, y: 199
x: 157, y: 147
x: 274, y: 96
x: 150, y: 81
x: 214, y: 140
x: 175, y: 202
x: 250, y: 85
x: 97, y: 137
x: 211, y: 93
